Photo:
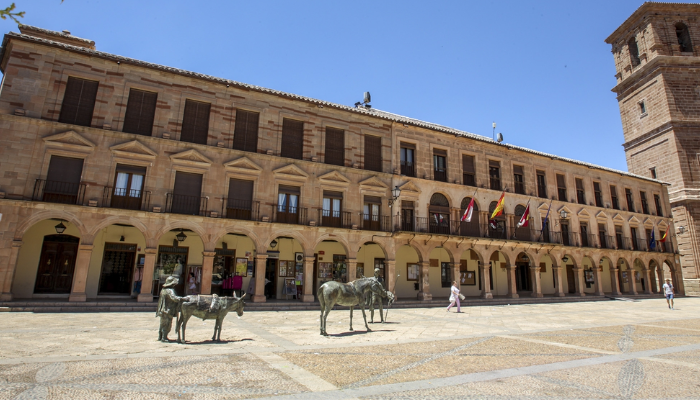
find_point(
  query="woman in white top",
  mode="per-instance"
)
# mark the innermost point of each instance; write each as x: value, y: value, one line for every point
x: 454, y: 297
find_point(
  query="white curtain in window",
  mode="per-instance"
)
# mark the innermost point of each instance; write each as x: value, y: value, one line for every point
x: 281, y: 202
x: 136, y: 185
x: 121, y: 184
x: 293, y: 203
x: 327, y: 205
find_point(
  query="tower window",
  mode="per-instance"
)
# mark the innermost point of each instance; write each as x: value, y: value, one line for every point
x: 653, y: 172
x: 642, y: 108
x: 684, y: 37
x: 634, y: 52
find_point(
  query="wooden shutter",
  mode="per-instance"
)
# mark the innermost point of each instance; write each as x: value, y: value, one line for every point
x: 290, y: 189
x: 518, y: 170
x: 440, y: 152
x: 78, y: 101
x: 468, y: 164
x: 596, y: 186
x: 335, y: 146
x: 245, y: 135
x: 373, y: 200
x: 408, y: 145
x: 131, y: 169
x: 292, y: 139
x: 195, y: 122
x: 65, y: 169
x: 239, y: 189
x: 407, y: 205
x: 494, y: 164
x: 561, y: 181
x: 187, y: 184
x: 332, y: 195
x: 579, y: 184
x: 140, y: 111
x: 373, y: 153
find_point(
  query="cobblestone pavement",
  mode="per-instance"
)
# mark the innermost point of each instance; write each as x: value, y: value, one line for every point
x: 596, y: 350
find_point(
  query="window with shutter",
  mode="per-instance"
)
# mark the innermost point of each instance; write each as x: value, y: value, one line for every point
x: 495, y: 175
x: 518, y: 179
x: 187, y: 192
x: 613, y: 197
x: 63, y: 180
x: 140, y: 111
x: 561, y: 187
x: 468, y: 170
x: 580, y: 193
x: 335, y: 146
x: 541, y: 184
x: 408, y: 159
x: 373, y: 153
x: 78, y: 101
x: 195, y: 122
x: 240, y: 199
x: 245, y: 134
x: 128, y: 187
x: 292, y: 139
x: 598, y: 194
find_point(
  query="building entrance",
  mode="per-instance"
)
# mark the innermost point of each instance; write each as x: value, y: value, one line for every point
x: 56, y: 264
x: 117, y: 267
x: 522, y: 277
x: 271, y: 278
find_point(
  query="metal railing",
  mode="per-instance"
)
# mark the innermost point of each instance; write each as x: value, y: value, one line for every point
x: 406, y: 224
x: 246, y: 210
x: 607, y: 242
x: 626, y: 244
x: 126, y: 199
x: 470, y: 229
x: 642, y: 244
x: 289, y: 215
x: 59, y: 192
x: 335, y: 219
x: 181, y: 204
x: 440, y: 175
x: 376, y: 222
x: 408, y: 169
x: 589, y: 240
x: 571, y: 239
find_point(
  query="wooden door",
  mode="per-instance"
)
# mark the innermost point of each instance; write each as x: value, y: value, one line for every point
x: 570, y: 278
x: 56, y: 264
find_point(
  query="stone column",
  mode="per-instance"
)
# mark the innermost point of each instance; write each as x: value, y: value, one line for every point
x: 660, y: 278
x: 559, y: 281
x: 308, y: 296
x: 207, y: 268
x: 633, y: 282
x: 455, y: 275
x: 352, y: 269
x: 390, y: 275
x: 483, y: 223
x: 260, y: 264
x: 147, y: 279
x: 512, y: 289
x: 536, y: 281
x: 647, y: 279
x: 424, y: 281
x: 598, y: 281
x: 80, y: 272
x: 485, y: 279
x: 614, y: 281
x: 579, y: 281
x: 9, y: 272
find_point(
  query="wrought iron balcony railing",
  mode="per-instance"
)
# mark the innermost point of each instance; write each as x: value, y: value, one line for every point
x: 59, y: 192
x: 189, y: 205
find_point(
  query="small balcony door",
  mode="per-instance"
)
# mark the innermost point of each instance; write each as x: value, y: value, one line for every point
x: 370, y: 217
x: 128, y: 187
x: 332, y: 208
x: 288, y: 205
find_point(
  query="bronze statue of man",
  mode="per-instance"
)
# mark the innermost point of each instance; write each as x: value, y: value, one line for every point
x: 168, y: 307
x: 374, y: 299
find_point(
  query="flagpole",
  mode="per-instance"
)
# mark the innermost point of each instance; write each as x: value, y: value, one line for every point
x: 545, y: 220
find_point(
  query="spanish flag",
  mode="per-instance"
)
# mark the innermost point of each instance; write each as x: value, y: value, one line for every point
x: 499, y: 206
x: 663, y: 238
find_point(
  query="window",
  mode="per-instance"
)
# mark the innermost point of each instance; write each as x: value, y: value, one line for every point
x: 634, y: 52
x: 245, y: 133
x: 407, y: 223
x: 613, y: 197
x: 618, y: 237
x: 288, y: 204
x: 239, y: 204
x: 642, y: 108
x: 439, y: 214
x: 195, y: 122
x: 445, y: 274
x: 335, y: 146
x: 186, y: 197
x: 292, y: 139
x: 541, y: 185
x: 128, y: 187
x: 635, y: 245
x: 603, y: 235
x: 657, y: 203
x: 495, y: 175
x: 598, y: 194
x: 645, y: 206
x: 78, y: 101
x: 373, y: 153
x: 585, y: 242
x: 683, y: 36
x: 630, y: 201
x: 580, y: 192
x: 371, y: 213
x: 63, y: 180
x: 408, y: 166
x: 140, y: 111
x: 332, y: 209
x: 561, y: 187
x: 440, y: 165
x: 565, y: 237
x: 518, y: 179
x: 653, y: 172
x: 468, y: 170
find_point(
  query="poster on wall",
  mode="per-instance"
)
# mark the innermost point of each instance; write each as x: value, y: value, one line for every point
x: 283, y: 268
x: 250, y: 268
x: 589, y: 276
x: 624, y: 277
x: 290, y: 288
x: 242, y: 266
x: 324, y: 270
x: 468, y: 278
x: 412, y: 273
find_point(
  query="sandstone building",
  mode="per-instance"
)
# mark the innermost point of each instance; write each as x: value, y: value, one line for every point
x: 657, y: 59
x: 115, y: 173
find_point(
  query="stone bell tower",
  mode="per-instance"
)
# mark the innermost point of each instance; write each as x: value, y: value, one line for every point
x: 657, y: 60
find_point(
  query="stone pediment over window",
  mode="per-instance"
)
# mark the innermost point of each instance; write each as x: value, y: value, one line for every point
x: 373, y: 185
x: 602, y: 215
x: 409, y: 188
x: 334, y: 178
x: 543, y: 208
x: 191, y: 158
x: 243, y: 166
x: 634, y: 221
x: 662, y: 225
x: 648, y: 223
x: 69, y: 140
x: 290, y: 173
x: 564, y: 208
x: 583, y: 214
x: 618, y: 218
x: 133, y: 149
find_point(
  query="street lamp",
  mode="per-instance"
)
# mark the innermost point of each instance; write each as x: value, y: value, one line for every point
x: 60, y: 228
x: 181, y: 236
x: 395, y: 193
x: 273, y: 244
x: 681, y: 229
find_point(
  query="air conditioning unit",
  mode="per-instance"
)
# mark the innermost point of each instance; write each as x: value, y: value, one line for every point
x: 299, y: 257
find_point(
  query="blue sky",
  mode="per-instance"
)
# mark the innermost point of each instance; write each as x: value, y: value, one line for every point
x: 540, y: 69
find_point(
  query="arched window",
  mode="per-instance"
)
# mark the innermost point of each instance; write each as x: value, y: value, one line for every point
x: 439, y: 199
x: 439, y: 214
x: 522, y: 233
x: 497, y: 226
x: 683, y: 36
x: 470, y: 228
x: 634, y: 51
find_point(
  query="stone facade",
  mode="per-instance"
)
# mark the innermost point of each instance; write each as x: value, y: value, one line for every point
x: 416, y: 239
x: 658, y: 89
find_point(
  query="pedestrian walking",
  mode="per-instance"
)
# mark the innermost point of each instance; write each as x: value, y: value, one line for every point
x: 454, y: 297
x: 668, y: 291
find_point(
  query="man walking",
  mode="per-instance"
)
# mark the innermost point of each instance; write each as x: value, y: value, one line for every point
x: 668, y: 290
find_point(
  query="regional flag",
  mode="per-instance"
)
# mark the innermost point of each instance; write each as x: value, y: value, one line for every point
x: 524, y: 220
x: 499, y: 206
x: 652, y: 241
x: 467, y: 217
x: 663, y: 238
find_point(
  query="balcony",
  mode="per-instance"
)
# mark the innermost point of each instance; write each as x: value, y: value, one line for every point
x: 589, y: 240
x: 571, y: 239
x: 499, y: 232
x: 468, y: 229
x: 406, y: 224
x: 246, y: 210
x: 126, y: 199
x: 289, y: 215
x: 440, y: 175
x: 376, y: 222
x: 189, y: 205
x: 408, y: 169
x: 59, y: 192
x: 607, y: 242
x: 640, y: 244
x: 335, y: 219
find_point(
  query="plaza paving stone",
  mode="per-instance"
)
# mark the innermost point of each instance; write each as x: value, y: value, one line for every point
x: 596, y: 350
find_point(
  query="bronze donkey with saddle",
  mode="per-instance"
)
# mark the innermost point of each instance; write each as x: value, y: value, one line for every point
x: 207, y: 307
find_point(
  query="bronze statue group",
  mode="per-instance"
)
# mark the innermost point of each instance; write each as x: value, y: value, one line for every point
x: 365, y: 292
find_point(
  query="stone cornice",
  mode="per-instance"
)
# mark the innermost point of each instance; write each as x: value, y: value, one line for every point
x: 645, y: 72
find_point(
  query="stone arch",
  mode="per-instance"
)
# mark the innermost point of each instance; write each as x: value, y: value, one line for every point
x: 185, y: 224
x: 265, y: 243
x: 350, y: 253
x: 465, y: 203
x: 418, y: 251
x: 381, y: 246
x: 439, y: 199
x: 257, y: 242
x: 32, y: 220
x: 120, y: 219
x: 683, y: 36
